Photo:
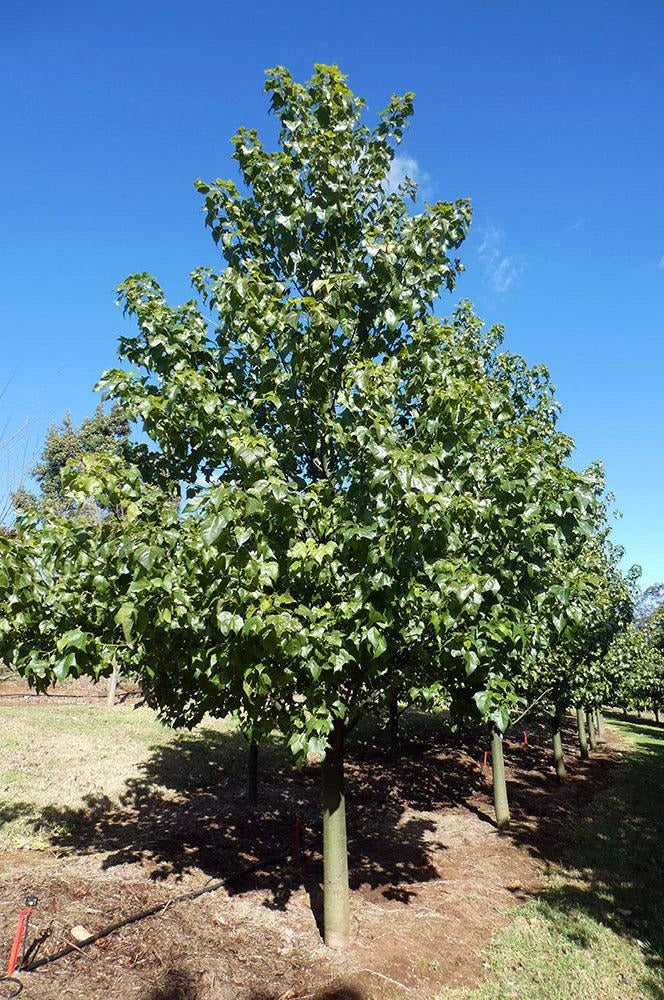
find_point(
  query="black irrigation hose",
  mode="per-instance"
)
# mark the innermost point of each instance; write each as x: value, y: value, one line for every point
x: 150, y: 912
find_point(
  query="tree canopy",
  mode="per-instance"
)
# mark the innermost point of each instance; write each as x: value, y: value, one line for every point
x: 338, y: 497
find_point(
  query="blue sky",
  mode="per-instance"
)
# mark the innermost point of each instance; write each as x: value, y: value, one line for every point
x: 548, y: 116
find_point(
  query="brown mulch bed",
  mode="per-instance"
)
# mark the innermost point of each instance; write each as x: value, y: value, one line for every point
x: 431, y: 877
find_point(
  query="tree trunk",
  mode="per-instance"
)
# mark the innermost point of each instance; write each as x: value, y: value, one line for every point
x: 600, y: 724
x: 336, y: 909
x: 253, y: 772
x: 500, y: 802
x: 591, y: 730
x: 112, y: 685
x: 393, y: 726
x: 557, y: 740
x: 581, y: 726
x: 624, y: 712
x: 656, y: 713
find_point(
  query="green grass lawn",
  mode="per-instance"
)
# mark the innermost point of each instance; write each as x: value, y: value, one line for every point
x: 597, y: 933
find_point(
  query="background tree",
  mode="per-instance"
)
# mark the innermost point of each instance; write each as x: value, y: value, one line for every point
x: 65, y: 445
x: 100, y: 433
x: 648, y: 602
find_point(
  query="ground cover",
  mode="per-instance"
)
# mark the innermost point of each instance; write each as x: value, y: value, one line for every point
x: 597, y: 929
x: 119, y: 814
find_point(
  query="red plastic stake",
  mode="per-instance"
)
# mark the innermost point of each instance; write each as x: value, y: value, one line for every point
x: 525, y: 739
x: 19, y: 938
x: 485, y: 762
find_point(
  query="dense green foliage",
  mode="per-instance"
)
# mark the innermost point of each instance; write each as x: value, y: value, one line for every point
x: 634, y: 667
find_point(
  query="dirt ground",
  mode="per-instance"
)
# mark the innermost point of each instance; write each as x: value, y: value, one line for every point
x: 431, y: 877
x: 80, y: 692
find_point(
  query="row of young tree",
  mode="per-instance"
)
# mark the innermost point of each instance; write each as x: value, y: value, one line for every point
x: 339, y: 503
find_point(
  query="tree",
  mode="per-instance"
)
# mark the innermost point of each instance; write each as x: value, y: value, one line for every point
x: 10, y: 439
x: 295, y: 400
x: 635, y: 667
x: 373, y: 496
x: 100, y: 433
x: 64, y: 447
x: 654, y: 628
x: 649, y: 602
x: 588, y: 601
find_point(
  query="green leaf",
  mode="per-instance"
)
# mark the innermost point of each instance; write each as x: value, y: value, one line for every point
x: 377, y: 641
x: 125, y: 617
x: 229, y: 622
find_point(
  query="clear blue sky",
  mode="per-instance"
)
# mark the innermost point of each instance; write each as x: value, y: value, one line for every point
x: 548, y: 116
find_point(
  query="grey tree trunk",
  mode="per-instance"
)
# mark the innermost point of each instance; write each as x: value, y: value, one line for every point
x: 656, y: 713
x: 336, y: 903
x: 500, y: 802
x: 591, y: 730
x: 581, y: 726
x: 112, y: 685
x: 253, y: 772
x: 557, y: 741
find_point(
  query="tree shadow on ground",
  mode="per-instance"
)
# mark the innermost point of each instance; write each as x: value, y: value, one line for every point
x: 652, y: 989
x: 179, y: 985
x: 174, y: 984
x: 189, y: 810
x: 10, y: 811
x: 339, y: 991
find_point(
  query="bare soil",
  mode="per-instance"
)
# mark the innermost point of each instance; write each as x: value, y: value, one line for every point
x: 80, y: 692
x: 431, y: 876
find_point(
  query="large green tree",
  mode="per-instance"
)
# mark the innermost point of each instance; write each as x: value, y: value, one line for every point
x: 374, y: 498
x: 291, y: 401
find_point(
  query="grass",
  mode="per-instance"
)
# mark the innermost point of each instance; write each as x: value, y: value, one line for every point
x: 597, y: 931
x: 68, y: 755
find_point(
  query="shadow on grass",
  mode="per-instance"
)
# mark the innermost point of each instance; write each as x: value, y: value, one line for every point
x: 189, y: 809
x: 616, y: 847
x: 653, y: 989
x: 10, y: 811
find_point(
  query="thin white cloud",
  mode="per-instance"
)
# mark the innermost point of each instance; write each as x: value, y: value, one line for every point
x: 501, y: 269
x: 661, y: 263
x: 577, y: 224
x: 402, y: 167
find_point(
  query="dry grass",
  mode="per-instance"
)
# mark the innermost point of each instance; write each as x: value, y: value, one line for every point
x: 54, y: 757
